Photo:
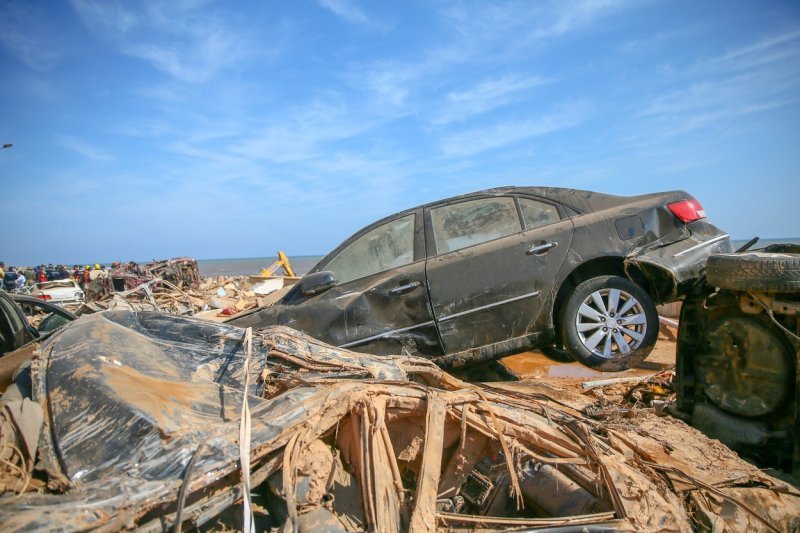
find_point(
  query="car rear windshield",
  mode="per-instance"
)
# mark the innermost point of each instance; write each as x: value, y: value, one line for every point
x: 55, y: 284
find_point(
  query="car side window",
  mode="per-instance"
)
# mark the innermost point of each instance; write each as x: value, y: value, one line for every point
x: 11, y: 317
x: 536, y: 214
x: 388, y: 246
x: 473, y: 222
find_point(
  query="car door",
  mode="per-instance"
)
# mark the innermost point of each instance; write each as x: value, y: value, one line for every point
x: 491, y: 266
x: 379, y: 303
x: 14, y: 328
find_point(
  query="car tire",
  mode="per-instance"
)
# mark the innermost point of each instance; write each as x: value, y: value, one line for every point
x: 755, y: 271
x: 595, y: 333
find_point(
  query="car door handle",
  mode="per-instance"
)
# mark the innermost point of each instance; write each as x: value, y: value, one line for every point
x: 405, y: 288
x: 541, y: 249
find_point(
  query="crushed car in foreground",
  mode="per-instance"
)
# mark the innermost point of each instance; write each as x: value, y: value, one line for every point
x: 138, y: 420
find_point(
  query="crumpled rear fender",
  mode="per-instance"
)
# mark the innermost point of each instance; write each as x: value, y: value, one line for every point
x: 673, y: 264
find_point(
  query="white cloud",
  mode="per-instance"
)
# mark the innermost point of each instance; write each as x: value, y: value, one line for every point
x: 751, y: 79
x: 566, y: 17
x: 306, y: 132
x: 485, y: 96
x: 507, y: 29
x: 178, y: 38
x: 83, y: 148
x: 24, y: 32
x: 526, y: 21
x: 348, y: 11
x: 389, y: 83
x: 480, y: 139
x: 786, y: 41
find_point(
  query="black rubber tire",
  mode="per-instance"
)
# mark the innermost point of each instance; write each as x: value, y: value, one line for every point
x: 618, y: 361
x: 754, y: 271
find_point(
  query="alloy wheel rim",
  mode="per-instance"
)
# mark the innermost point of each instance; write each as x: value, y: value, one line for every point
x: 611, y: 322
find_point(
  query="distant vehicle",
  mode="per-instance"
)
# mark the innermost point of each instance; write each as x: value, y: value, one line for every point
x: 62, y: 291
x: 501, y: 271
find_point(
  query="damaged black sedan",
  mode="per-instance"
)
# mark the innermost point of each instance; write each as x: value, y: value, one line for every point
x: 501, y: 271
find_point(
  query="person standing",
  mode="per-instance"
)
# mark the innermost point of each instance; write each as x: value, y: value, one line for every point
x: 96, y: 287
x: 30, y: 277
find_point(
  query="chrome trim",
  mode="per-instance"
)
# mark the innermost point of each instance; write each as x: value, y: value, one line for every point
x: 488, y: 306
x: 704, y: 243
x: 403, y: 288
x: 386, y: 334
x: 541, y: 248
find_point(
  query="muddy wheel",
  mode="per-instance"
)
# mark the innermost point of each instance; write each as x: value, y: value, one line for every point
x: 755, y: 271
x: 609, y: 323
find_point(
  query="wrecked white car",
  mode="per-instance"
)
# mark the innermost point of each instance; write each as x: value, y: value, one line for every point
x: 62, y: 291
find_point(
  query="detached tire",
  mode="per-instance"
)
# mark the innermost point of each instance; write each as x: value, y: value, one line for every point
x: 609, y: 323
x: 755, y: 271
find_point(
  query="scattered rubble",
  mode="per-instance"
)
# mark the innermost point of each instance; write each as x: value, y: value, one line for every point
x: 138, y: 420
x: 180, y: 271
x: 211, y: 298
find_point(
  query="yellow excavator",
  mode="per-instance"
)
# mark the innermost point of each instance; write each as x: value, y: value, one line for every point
x: 281, y: 268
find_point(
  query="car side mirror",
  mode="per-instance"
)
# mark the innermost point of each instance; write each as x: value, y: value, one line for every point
x: 317, y: 283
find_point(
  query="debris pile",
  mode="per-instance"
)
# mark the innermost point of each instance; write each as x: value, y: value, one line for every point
x: 211, y: 298
x: 188, y: 418
x: 153, y: 295
x: 227, y: 296
x: 181, y: 272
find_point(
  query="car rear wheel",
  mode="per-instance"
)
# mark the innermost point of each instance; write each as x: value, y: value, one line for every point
x: 609, y: 323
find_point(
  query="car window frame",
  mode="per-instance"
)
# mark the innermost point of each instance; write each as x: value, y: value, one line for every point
x: 431, y: 236
x: 44, y: 305
x: 418, y: 244
x: 562, y: 214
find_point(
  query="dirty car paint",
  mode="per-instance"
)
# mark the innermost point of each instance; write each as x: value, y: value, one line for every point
x: 476, y: 303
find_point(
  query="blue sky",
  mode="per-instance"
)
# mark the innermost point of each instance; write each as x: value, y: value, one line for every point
x: 234, y: 129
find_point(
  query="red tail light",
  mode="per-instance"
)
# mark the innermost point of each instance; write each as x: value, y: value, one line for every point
x: 44, y: 296
x: 687, y: 210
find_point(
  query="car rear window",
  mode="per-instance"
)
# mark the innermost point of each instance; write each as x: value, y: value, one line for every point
x: 536, y: 214
x: 388, y: 246
x: 55, y: 284
x: 473, y: 222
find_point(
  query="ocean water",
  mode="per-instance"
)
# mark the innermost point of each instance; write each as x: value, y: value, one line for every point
x: 252, y: 265
x: 763, y: 243
x: 303, y: 263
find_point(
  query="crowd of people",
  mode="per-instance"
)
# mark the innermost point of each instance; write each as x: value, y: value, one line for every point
x: 21, y: 277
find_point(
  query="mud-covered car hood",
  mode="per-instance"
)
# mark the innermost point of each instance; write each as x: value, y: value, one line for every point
x: 130, y: 397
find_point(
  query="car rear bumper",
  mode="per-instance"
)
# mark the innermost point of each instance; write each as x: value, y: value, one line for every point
x: 673, y: 267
